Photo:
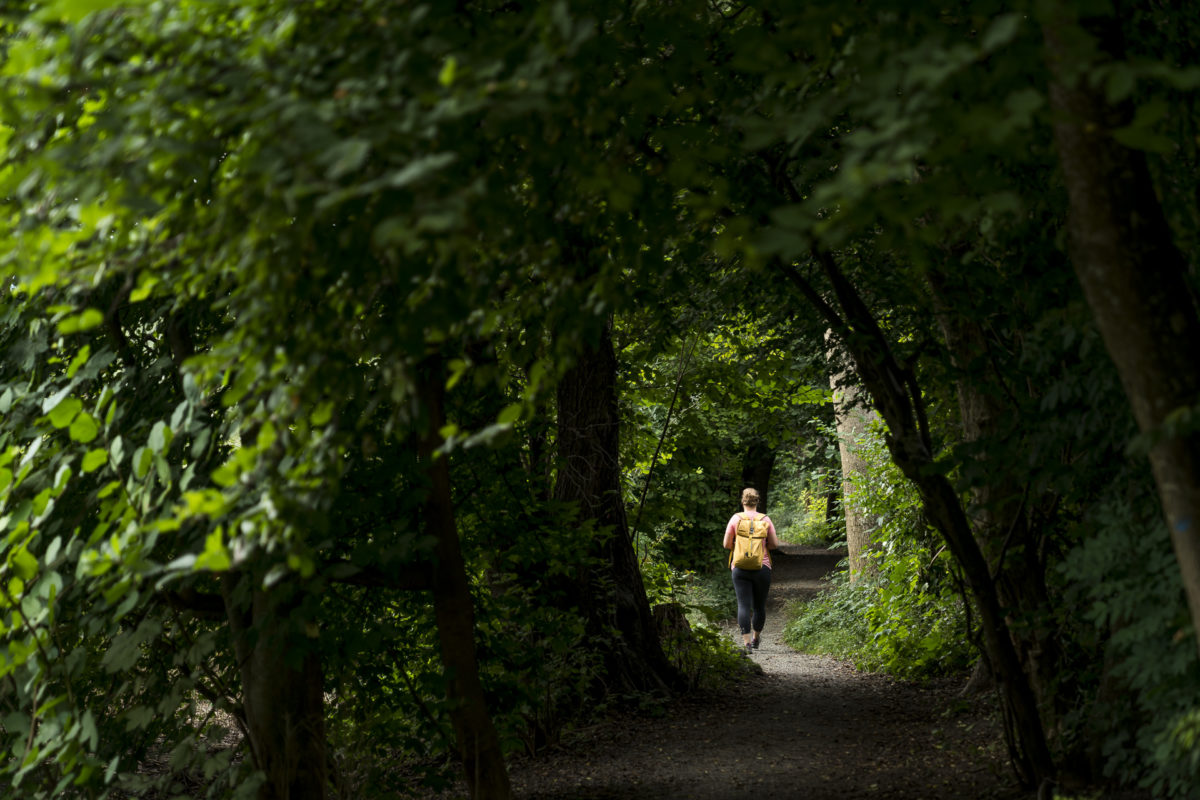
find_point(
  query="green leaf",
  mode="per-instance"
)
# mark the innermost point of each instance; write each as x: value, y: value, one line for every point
x: 79, y: 360
x: 347, y: 156
x: 1137, y: 138
x: 81, y: 322
x: 449, y: 71
x: 207, y: 501
x: 84, y: 428
x: 1121, y: 82
x: 510, y: 414
x: 1001, y: 31
x: 322, y: 414
x: 88, y: 729
x: 162, y: 468
x: 62, y: 414
x: 215, y: 556
x: 266, y: 435
x: 160, y: 437
x: 52, y: 550
x: 136, y: 718
x: 143, y: 457
x: 226, y: 474
x: 25, y: 564
x: 125, y: 648
x: 146, y: 284
x: 418, y: 168
x: 76, y: 10
x: 94, y: 460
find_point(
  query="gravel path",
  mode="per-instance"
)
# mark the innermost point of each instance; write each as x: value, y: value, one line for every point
x: 810, y: 727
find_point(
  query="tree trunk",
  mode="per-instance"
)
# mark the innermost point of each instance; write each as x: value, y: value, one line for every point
x: 610, y: 595
x: 1134, y: 279
x: 282, y: 696
x: 852, y: 416
x: 999, y: 511
x: 898, y: 400
x: 539, y: 464
x: 476, y: 738
x: 756, y: 470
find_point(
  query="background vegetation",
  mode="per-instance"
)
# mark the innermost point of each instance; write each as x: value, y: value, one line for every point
x: 377, y: 376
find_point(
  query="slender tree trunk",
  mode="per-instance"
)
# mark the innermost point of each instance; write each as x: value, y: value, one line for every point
x: 1134, y: 279
x: 852, y: 416
x: 832, y: 504
x: 756, y: 470
x: 539, y: 466
x: 999, y: 509
x: 282, y: 695
x: 611, y: 596
x: 898, y: 400
x: 476, y: 738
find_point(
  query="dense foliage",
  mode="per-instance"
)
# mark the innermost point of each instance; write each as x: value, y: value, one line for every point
x: 908, y: 616
x: 297, y: 297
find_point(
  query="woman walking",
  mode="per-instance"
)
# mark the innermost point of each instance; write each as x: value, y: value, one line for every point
x: 749, y: 584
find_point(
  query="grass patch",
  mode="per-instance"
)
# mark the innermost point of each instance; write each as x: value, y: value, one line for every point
x: 833, y: 624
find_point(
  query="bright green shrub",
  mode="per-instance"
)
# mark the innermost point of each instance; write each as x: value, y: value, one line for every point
x: 908, y: 618
x: 884, y: 626
x: 834, y: 623
x: 799, y: 497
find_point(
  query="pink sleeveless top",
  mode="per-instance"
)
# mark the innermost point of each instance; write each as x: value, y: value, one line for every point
x: 732, y: 528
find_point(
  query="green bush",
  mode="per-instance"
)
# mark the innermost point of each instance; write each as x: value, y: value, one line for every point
x: 907, y: 618
x: 1142, y: 706
x: 703, y: 655
x: 889, y: 624
x: 834, y: 623
x: 707, y: 598
x: 799, y: 499
x: 916, y: 620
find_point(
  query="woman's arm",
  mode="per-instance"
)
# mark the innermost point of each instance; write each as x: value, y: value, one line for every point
x: 730, y: 533
x: 772, y: 539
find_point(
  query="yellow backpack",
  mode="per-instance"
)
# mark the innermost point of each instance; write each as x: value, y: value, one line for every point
x: 750, y: 543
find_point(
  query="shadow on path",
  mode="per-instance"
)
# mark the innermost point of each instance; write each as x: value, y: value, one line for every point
x: 810, y: 727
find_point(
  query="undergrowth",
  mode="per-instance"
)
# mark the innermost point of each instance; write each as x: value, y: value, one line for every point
x: 695, y: 645
x: 882, y: 626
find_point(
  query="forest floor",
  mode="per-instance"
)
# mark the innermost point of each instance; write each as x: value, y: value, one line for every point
x: 809, y: 727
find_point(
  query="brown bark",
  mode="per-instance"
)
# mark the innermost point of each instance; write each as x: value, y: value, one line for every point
x: 282, y: 697
x: 1134, y: 279
x: 897, y: 399
x: 999, y: 511
x: 478, y: 744
x: 610, y: 595
x: 852, y: 417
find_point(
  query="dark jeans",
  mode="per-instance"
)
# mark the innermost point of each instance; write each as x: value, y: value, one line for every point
x: 750, y: 586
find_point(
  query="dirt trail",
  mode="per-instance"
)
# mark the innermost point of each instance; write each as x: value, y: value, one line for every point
x: 810, y: 727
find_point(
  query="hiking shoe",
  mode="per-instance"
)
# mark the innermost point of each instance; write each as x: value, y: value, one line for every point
x: 754, y: 643
x: 749, y: 649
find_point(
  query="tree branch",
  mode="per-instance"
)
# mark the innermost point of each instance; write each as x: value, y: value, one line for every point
x: 206, y: 605
x: 406, y: 577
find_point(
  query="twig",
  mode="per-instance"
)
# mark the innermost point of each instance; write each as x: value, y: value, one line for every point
x: 684, y: 358
x: 1012, y: 529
